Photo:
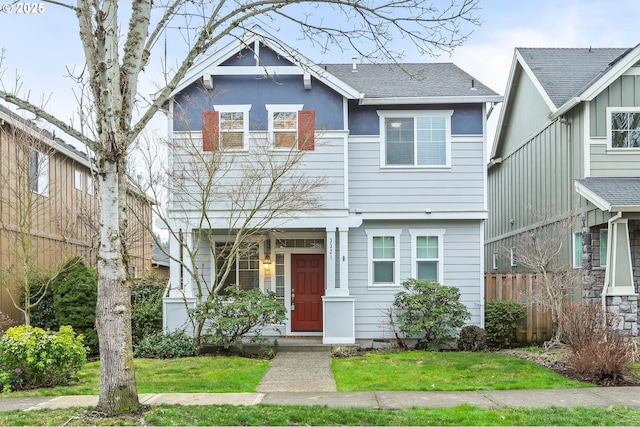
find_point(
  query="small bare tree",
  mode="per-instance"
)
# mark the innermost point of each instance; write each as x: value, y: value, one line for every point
x: 239, y: 194
x: 540, y: 250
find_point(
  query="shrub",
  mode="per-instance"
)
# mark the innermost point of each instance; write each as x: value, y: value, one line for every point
x: 75, y: 292
x: 501, y: 320
x: 596, y: 348
x: 472, y: 338
x: 232, y: 317
x: 430, y: 311
x: 32, y: 357
x: 146, y: 308
x: 170, y: 345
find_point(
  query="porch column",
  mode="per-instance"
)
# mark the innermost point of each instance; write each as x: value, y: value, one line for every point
x: 619, y: 273
x: 175, y: 269
x: 330, y: 262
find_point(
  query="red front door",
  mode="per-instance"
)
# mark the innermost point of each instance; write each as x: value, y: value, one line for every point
x: 307, y: 288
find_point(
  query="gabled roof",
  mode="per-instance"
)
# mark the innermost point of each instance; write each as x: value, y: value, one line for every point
x: 379, y: 84
x: 564, y: 77
x: 611, y: 194
x: 565, y: 73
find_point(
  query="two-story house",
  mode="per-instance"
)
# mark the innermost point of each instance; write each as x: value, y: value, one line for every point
x: 48, y: 208
x: 568, y: 143
x: 402, y: 149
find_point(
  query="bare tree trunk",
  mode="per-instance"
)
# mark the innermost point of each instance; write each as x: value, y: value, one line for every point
x: 118, y: 391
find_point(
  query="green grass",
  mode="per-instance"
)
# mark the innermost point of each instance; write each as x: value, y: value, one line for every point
x: 444, y: 371
x: 323, y: 415
x: 187, y: 375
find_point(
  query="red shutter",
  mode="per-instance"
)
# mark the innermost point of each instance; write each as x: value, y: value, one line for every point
x: 306, y: 129
x: 210, y: 130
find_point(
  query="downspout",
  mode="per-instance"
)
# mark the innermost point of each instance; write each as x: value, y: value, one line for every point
x: 608, y: 268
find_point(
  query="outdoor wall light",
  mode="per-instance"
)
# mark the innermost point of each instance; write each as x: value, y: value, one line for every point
x: 267, y: 264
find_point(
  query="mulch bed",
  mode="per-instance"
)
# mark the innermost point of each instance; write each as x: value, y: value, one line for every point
x: 558, y: 364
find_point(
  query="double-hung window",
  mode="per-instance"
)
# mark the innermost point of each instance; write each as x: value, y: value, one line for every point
x: 291, y: 127
x: 415, y: 138
x: 623, y: 127
x: 226, y: 128
x: 244, y: 268
x: 427, y: 255
x: 384, y: 251
x: 39, y: 173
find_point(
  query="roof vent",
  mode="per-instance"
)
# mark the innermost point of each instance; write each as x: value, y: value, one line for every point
x: 473, y: 84
x: 355, y: 65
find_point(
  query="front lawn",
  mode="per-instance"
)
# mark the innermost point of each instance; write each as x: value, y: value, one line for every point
x: 444, y: 371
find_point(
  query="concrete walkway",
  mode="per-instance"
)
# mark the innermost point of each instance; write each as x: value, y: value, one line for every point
x: 305, y: 378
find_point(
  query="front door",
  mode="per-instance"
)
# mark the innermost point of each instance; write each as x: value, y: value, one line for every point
x: 307, y: 288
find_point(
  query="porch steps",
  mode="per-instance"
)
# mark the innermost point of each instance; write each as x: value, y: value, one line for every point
x: 293, y: 344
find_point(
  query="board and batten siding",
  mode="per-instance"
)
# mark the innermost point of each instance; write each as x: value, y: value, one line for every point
x: 462, y: 269
x: 373, y: 188
x: 326, y: 160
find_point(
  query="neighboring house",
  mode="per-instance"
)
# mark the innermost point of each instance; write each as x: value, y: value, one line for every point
x: 48, y: 202
x: 568, y: 142
x: 403, y: 148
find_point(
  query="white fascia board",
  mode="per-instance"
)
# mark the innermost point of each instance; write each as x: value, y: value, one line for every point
x: 536, y: 82
x: 598, y: 201
x: 46, y: 140
x: 429, y: 100
x: 239, y: 70
x: 434, y: 215
x: 505, y: 105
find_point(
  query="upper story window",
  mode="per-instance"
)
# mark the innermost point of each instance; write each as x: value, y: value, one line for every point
x: 291, y: 127
x: 39, y: 173
x: 225, y: 128
x: 427, y: 255
x: 624, y: 128
x: 77, y: 176
x: 90, y: 185
x: 416, y: 138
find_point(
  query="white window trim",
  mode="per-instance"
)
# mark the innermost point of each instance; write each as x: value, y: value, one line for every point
x: 609, y: 111
x: 281, y: 108
x: 239, y: 108
x: 385, y: 114
x: 261, y: 256
x: 395, y: 233
x: 512, y: 257
x: 43, y: 174
x: 77, y: 179
x: 494, y: 261
x: 576, y: 263
x: 439, y: 233
x: 90, y: 185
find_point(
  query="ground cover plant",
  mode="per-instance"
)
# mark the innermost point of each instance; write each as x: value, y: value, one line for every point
x: 321, y: 415
x: 443, y: 371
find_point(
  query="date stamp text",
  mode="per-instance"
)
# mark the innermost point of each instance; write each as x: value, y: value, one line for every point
x: 23, y: 8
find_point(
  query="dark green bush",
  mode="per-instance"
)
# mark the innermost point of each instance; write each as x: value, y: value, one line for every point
x: 75, y: 293
x: 232, y: 317
x: 501, y: 320
x: 32, y: 357
x: 168, y: 345
x: 429, y: 311
x: 146, y: 308
x: 472, y: 338
x: 43, y: 315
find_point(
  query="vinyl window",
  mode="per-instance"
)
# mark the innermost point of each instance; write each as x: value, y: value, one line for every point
x: 623, y: 128
x: 383, y: 257
x: 39, y: 173
x: 427, y: 255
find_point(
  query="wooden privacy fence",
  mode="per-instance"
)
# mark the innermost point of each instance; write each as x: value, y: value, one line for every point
x: 537, y: 326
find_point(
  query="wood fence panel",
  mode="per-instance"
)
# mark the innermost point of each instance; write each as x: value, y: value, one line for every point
x: 537, y: 327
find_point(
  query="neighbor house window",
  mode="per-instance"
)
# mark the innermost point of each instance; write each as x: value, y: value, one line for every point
x: 427, y: 255
x: 383, y: 257
x: 577, y: 250
x: 416, y: 138
x: 77, y: 178
x: 512, y: 257
x: 39, y: 173
x: 291, y: 127
x: 494, y: 263
x: 90, y: 189
x: 244, y: 269
x: 604, y: 243
x: 225, y: 128
x: 624, y: 128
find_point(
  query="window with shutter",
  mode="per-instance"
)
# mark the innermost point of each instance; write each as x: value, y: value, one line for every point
x: 291, y: 127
